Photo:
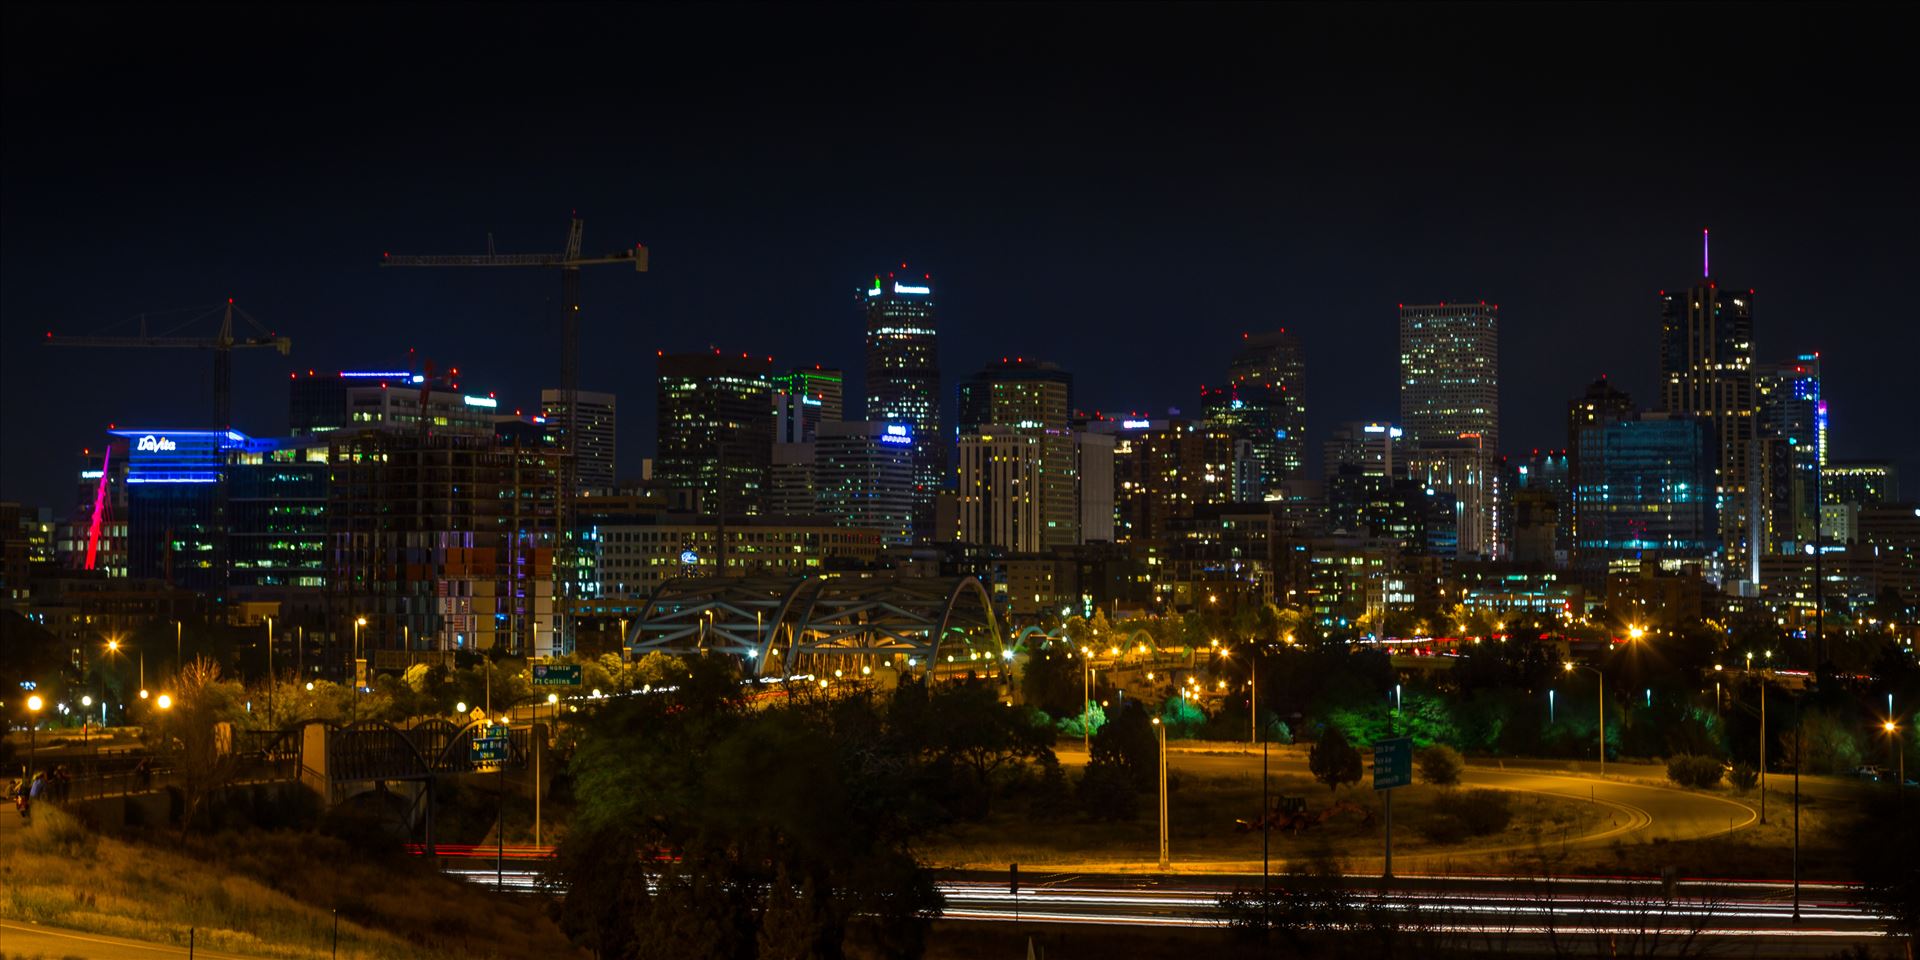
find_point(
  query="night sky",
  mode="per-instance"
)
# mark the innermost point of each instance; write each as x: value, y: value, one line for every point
x: 1123, y: 190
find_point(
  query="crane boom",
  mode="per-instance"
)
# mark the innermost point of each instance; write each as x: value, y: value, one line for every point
x: 282, y: 344
x: 222, y: 344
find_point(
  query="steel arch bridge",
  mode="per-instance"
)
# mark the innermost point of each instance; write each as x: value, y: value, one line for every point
x: 773, y: 623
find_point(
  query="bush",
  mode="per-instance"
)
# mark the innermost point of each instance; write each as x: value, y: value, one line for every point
x: 1440, y: 764
x: 1107, y: 792
x: 1485, y: 811
x: 1695, y: 771
x: 1478, y: 813
x: 1744, y: 777
x: 55, y: 831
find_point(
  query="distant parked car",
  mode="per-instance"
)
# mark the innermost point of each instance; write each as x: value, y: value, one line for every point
x: 1867, y: 771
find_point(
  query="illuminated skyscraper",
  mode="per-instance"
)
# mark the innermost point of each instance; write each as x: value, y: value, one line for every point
x: 716, y: 429
x: 1790, y: 448
x: 903, y: 376
x: 1450, y: 372
x: 1265, y: 403
x: 1030, y: 399
x: 593, y: 455
x: 1450, y: 410
x: 1601, y: 404
x: 1706, y: 366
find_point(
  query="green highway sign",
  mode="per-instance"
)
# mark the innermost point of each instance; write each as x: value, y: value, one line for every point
x: 488, y: 750
x: 556, y: 675
x: 1393, y: 763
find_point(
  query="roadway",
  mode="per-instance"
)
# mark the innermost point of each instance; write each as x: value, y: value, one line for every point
x: 39, y: 940
x: 1493, y: 913
x: 1638, y: 807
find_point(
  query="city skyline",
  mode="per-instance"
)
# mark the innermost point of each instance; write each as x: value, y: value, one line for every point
x: 765, y: 262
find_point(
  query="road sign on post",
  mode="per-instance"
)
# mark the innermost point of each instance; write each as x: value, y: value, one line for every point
x: 1393, y: 763
x: 556, y: 675
x: 488, y: 747
x: 1392, y: 767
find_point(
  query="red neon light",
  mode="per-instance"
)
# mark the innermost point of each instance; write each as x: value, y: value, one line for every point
x: 99, y: 507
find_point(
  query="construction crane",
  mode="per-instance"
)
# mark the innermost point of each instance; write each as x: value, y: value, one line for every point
x: 222, y: 344
x: 568, y: 261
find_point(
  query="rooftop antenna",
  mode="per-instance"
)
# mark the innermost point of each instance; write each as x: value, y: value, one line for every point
x: 1706, y: 261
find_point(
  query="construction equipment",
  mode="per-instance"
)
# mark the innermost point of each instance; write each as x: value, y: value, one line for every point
x: 1290, y: 814
x: 568, y: 261
x: 222, y: 344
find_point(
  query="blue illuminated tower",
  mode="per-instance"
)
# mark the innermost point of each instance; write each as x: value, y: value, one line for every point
x: 903, y: 376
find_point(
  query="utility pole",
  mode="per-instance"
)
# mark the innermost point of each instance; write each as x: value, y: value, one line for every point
x: 1763, y: 750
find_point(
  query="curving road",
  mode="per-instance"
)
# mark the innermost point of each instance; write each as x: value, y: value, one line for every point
x: 1639, y: 807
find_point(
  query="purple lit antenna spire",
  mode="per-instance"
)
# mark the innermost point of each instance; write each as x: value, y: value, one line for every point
x: 1706, y: 261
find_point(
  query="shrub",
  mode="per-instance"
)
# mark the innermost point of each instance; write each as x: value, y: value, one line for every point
x: 1444, y: 828
x: 1744, y: 777
x: 53, y: 830
x: 1485, y: 811
x: 1440, y: 764
x: 1695, y: 771
x: 1107, y: 792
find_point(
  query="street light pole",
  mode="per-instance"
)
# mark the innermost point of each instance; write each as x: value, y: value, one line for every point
x: 1763, y: 751
x: 269, y: 672
x: 1161, y: 728
x: 1086, y: 701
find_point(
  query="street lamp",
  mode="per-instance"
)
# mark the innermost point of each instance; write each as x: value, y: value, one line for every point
x: 358, y: 622
x: 1635, y: 632
x: 1602, y: 695
x: 1893, y: 744
x: 34, y: 703
x: 1086, y: 700
x: 1161, y: 729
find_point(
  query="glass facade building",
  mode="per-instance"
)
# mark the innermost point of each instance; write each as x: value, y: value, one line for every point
x: 1645, y: 489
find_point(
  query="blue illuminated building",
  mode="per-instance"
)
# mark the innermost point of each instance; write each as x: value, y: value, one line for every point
x: 1645, y: 489
x: 176, y: 523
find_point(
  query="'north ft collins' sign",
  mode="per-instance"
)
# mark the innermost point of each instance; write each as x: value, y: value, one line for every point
x: 1393, y: 763
x: 556, y: 675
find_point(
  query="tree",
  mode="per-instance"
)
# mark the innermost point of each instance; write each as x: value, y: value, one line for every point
x: 1333, y: 761
x: 1440, y: 764
x: 1885, y: 848
x: 200, y: 721
x: 1053, y: 679
x: 823, y: 853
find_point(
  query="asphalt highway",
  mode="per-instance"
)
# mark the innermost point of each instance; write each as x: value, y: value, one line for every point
x: 1490, y: 912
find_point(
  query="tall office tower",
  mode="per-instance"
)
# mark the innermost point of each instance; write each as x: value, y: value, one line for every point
x: 1461, y: 467
x: 1861, y: 483
x: 864, y: 477
x: 793, y: 485
x: 1251, y: 414
x: 823, y: 386
x: 1706, y: 366
x: 1600, y: 404
x: 1450, y: 372
x: 1000, y: 503
x: 1644, y: 490
x: 1368, y: 448
x: 593, y: 462
x: 1162, y: 471
x: 1548, y: 475
x: 716, y: 430
x: 1034, y: 399
x: 1093, y: 465
x: 903, y: 377
x: 1789, y: 449
x: 1450, y: 408
x: 1265, y: 403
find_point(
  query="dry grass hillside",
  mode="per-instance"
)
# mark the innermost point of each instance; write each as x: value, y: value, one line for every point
x: 262, y: 894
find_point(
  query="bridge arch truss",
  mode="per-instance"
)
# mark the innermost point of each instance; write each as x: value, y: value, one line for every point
x: 776, y: 625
